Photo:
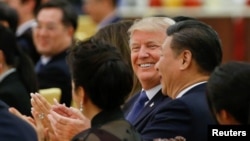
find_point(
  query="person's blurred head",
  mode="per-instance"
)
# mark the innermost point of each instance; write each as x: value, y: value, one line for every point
x: 55, y: 27
x: 228, y: 93
x: 12, y: 57
x: 116, y: 35
x: 146, y: 38
x: 8, y: 47
x: 8, y: 16
x: 189, y: 54
x: 24, y: 8
x: 99, y: 9
x: 100, y: 75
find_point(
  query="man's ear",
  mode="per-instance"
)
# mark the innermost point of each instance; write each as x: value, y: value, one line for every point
x: 70, y: 31
x: 224, y: 117
x: 185, y: 59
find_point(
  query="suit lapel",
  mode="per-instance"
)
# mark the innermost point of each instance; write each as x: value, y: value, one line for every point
x: 127, y: 107
x: 151, y: 105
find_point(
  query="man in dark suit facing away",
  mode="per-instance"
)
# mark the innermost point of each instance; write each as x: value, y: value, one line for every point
x: 13, y: 128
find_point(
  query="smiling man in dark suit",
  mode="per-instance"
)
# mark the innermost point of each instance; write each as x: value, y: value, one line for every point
x: 189, y: 54
x: 53, y: 35
x: 146, y: 38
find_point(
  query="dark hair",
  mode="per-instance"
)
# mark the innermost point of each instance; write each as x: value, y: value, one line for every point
x: 103, y: 73
x: 37, y: 5
x: 70, y: 17
x: 116, y: 35
x: 16, y: 58
x: 202, y: 41
x: 228, y: 89
x: 9, y: 15
x: 182, y: 18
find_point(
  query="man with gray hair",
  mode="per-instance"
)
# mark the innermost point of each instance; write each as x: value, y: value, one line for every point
x: 146, y: 38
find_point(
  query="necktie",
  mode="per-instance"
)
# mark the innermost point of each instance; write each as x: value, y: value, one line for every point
x: 137, y: 107
x: 38, y: 66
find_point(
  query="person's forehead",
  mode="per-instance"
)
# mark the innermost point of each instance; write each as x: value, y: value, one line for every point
x: 56, y: 13
x: 167, y: 41
x: 147, y: 35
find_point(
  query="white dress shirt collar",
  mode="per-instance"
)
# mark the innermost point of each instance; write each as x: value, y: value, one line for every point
x: 189, y: 88
x: 23, y: 27
x: 5, y: 74
x: 153, y: 91
x: 45, y: 60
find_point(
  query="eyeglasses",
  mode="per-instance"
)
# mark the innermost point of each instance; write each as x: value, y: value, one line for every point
x: 47, y: 27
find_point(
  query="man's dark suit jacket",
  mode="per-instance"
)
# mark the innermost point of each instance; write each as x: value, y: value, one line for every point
x: 12, y: 128
x: 56, y: 74
x: 25, y: 42
x: 187, y: 116
x: 14, y: 93
x: 147, y: 112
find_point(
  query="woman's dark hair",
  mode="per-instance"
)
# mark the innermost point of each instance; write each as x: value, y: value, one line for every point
x: 103, y: 73
x: 116, y: 35
x: 14, y: 57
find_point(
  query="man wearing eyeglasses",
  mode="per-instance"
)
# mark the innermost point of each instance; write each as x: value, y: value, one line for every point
x: 56, y: 23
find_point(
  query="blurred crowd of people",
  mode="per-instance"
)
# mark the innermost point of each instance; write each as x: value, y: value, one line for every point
x: 148, y: 79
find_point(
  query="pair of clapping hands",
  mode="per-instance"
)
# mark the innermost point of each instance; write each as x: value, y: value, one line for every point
x: 54, y: 122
